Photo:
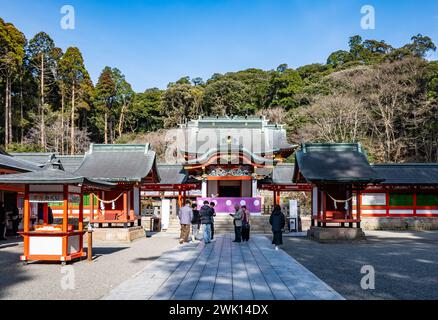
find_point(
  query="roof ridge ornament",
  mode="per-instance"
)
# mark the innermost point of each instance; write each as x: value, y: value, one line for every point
x: 54, y: 164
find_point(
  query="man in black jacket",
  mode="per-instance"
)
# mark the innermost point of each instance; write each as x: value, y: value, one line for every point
x: 212, y: 205
x: 206, y: 215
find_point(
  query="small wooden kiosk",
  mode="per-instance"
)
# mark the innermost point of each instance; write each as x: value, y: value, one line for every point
x: 62, y: 240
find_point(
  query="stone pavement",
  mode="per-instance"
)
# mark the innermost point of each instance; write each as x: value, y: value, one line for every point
x: 224, y: 270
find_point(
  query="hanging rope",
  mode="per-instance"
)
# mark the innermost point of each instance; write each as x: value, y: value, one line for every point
x: 107, y: 201
x: 335, y: 201
x: 103, y: 202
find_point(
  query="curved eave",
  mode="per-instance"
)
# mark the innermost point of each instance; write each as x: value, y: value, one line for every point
x: 72, y: 181
x: 344, y: 181
x: 214, y: 154
x: 286, y: 149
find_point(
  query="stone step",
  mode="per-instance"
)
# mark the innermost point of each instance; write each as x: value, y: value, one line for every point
x: 224, y: 224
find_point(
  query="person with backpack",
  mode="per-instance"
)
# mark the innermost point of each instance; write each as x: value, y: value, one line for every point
x: 277, y: 221
x: 196, y: 222
x: 206, y: 215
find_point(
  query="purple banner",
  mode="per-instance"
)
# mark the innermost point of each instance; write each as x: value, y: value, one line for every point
x: 226, y: 205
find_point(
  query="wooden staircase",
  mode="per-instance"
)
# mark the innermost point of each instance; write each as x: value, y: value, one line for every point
x: 224, y: 224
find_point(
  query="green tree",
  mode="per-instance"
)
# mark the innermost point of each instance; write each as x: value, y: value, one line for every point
x: 226, y: 97
x: 179, y: 102
x: 43, y: 58
x: 12, y: 53
x: 77, y: 81
x: 144, y: 114
x: 124, y: 96
x: 421, y: 45
x: 284, y: 86
x: 338, y: 58
x: 105, y: 95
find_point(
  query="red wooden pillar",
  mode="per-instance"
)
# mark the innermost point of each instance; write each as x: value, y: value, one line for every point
x: 91, y: 196
x: 81, y: 212
x: 387, y: 203
x: 46, y: 213
x: 179, y: 198
x: 318, y: 202
x: 125, y: 205
x: 26, y: 219
x: 358, y: 204
x: 312, y: 217
x: 99, y: 207
x: 65, y: 210
x: 324, y: 207
x: 65, y: 221
x: 81, y: 221
x: 415, y: 202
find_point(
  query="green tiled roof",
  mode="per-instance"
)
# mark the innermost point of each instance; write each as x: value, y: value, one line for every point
x: 13, y: 163
x: 408, y: 173
x: 51, y: 175
x: 118, y: 162
x: 334, y: 163
x: 338, y: 147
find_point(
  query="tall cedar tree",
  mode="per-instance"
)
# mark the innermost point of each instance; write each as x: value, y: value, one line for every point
x: 105, y: 95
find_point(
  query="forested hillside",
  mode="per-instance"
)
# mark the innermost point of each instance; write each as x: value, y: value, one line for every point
x: 376, y: 94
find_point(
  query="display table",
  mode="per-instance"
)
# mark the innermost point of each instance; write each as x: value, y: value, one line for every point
x: 53, y: 245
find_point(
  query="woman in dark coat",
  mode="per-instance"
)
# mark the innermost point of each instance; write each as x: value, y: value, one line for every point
x: 277, y: 221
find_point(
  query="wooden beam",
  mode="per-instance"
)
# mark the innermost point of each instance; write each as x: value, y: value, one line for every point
x: 91, y: 215
x: 65, y: 209
x: 81, y: 212
x: 46, y: 213
x: 358, y: 204
x: 324, y: 206
x: 179, y: 198
x: 125, y: 205
x: 26, y: 219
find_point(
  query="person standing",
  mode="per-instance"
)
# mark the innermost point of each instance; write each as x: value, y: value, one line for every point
x: 237, y: 223
x: 3, y: 221
x: 185, y: 218
x: 245, y: 224
x: 206, y: 214
x: 50, y: 218
x: 277, y: 221
x: 196, y: 222
x: 15, y: 218
x: 212, y: 205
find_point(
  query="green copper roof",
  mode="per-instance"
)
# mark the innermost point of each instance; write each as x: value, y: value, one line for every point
x: 118, y: 162
x: 337, y: 147
x: 119, y: 148
x: 334, y: 163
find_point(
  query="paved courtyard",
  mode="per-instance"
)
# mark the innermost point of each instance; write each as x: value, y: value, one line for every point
x: 113, y: 264
x: 224, y: 270
x: 405, y: 264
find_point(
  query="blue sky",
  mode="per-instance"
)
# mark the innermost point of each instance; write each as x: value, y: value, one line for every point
x: 156, y: 42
